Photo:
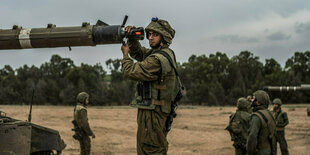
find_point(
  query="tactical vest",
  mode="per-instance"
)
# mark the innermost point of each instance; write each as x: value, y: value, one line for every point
x: 280, y: 119
x: 159, y: 92
x: 77, y: 108
x: 267, y: 131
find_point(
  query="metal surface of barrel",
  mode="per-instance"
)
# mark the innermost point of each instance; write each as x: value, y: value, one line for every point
x: 52, y: 36
x: 303, y: 87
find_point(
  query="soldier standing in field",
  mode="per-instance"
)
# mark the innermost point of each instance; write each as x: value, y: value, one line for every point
x: 80, y: 116
x: 261, y: 139
x: 281, y: 121
x: 156, y: 84
x: 239, y: 124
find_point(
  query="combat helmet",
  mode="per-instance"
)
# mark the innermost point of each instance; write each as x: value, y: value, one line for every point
x: 81, y: 97
x: 162, y: 27
x: 277, y: 101
x: 262, y: 97
x: 243, y: 103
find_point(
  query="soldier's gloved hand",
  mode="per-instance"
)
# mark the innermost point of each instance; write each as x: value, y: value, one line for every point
x: 93, y: 136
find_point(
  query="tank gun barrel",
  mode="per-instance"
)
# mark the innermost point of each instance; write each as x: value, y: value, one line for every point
x: 303, y: 87
x: 52, y: 36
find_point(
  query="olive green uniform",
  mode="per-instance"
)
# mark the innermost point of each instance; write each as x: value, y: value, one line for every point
x: 239, y: 125
x: 281, y: 121
x: 242, y: 117
x: 261, y: 139
x: 154, y: 68
x: 80, y: 115
x: 151, y: 134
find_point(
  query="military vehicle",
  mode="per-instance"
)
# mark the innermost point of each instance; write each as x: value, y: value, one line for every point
x: 52, y: 36
x: 302, y: 87
x: 23, y: 137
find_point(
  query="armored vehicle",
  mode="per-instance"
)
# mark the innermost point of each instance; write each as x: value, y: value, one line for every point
x: 22, y: 137
x: 302, y: 87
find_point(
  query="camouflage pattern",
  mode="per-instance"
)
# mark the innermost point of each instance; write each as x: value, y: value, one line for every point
x: 277, y: 101
x: 82, y: 97
x: 262, y: 97
x: 239, y: 125
x: 162, y: 27
x: 80, y: 115
x: 154, y: 68
x: 243, y: 104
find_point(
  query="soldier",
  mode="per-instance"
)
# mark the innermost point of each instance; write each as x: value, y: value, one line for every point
x: 80, y: 116
x: 261, y: 139
x: 281, y: 121
x: 156, y: 84
x: 239, y: 125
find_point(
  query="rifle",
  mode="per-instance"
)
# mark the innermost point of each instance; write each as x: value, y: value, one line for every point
x: 174, y: 106
x: 77, y: 131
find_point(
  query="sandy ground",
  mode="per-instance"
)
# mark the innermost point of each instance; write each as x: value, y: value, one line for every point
x: 196, y: 130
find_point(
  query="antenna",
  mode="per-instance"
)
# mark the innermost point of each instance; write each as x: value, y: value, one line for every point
x: 29, y: 116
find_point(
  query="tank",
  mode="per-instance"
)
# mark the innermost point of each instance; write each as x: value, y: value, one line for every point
x: 21, y: 137
x: 52, y: 36
x: 302, y: 87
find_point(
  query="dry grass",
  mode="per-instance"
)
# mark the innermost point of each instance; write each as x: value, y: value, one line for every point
x: 196, y: 130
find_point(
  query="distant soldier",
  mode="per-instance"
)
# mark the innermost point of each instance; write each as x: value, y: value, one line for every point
x: 261, y: 138
x: 239, y: 124
x: 281, y: 121
x: 308, y: 111
x: 80, y: 116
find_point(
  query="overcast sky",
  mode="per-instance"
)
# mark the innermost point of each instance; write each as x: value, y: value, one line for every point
x: 267, y: 28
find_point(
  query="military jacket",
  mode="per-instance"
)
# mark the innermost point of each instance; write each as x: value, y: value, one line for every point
x: 281, y: 120
x: 261, y: 133
x: 80, y: 115
x: 155, y: 68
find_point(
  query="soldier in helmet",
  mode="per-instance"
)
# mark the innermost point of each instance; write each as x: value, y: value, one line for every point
x: 156, y: 84
x: 239, y: 124
x: 261, y: 139
x: 281, y: 121
x: 80, y: 116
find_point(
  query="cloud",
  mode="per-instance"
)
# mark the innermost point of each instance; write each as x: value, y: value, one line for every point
x: 302, y: 28
x: 278, y: 36
x: 235, y: 39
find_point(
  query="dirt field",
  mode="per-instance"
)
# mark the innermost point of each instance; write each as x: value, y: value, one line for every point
x: 196, y: 130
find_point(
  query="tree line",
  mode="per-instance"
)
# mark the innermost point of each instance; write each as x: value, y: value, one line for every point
x: 213, y: 80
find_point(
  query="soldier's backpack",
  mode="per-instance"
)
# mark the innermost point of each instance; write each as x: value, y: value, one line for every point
x: 235, y: 128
